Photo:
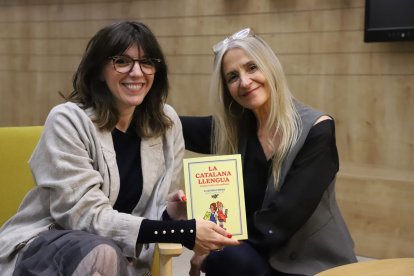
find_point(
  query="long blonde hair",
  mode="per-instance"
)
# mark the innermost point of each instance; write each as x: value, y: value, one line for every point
x: 283, y: 116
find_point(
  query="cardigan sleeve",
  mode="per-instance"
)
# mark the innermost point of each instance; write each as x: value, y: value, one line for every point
x: 168, y: 231
x: 68, y: 165
x: 312, y: 171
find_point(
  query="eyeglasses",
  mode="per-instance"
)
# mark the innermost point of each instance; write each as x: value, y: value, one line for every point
x: 125, y: 64
x: 243, y: 33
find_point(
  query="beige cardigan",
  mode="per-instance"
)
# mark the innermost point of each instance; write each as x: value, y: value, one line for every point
x: 77, y: 183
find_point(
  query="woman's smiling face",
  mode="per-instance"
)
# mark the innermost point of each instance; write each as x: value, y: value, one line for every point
x: 246, y: 83
x: 129, y: 89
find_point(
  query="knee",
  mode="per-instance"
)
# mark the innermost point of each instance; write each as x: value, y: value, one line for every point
x: 105, y: 252
x: 103, y: 259
x: 235, y: 263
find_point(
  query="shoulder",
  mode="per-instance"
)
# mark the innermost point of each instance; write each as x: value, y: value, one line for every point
x: 172, y: 114
x: 323, y: 129
x: 322, y: 118
x: 308, y: 115
x: 68, y: 116
x: 305, y: 110
x: 67, y: 109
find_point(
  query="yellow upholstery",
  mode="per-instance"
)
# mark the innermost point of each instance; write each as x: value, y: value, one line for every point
x: 16, y: 147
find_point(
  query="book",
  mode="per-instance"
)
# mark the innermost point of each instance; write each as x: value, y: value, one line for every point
x: 215, y: 192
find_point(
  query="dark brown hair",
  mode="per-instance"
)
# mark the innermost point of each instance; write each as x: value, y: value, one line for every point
x: 90, y: 90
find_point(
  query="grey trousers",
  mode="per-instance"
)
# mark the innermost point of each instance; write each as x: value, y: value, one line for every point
x: 71, y: 252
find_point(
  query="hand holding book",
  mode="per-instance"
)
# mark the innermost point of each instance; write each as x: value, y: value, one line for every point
x: 210, y: 236
x: 215, y: 192
x: 176, y: 205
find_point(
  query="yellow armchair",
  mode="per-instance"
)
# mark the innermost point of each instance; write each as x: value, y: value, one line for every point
x: 16, y: 147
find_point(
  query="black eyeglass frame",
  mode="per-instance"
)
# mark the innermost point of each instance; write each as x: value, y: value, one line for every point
x: 154, y: 61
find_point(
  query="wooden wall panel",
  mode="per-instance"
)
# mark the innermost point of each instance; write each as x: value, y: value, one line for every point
x: 380, y: 213
x: 366, y: 87
x: 365, y: 121
x: 190, y: 94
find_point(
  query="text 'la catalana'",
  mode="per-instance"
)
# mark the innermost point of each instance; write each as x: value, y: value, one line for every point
x: 213, y: 176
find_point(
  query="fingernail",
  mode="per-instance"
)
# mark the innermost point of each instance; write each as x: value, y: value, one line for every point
x: 184, y: 198
x: 229, y: 236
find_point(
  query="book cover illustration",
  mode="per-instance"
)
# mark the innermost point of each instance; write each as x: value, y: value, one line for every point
x: 214, y: 189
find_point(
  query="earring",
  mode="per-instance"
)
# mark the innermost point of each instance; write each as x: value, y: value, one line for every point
x: 233, y: 114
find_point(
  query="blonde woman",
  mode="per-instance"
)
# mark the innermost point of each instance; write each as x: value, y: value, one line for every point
x: 290, y: 162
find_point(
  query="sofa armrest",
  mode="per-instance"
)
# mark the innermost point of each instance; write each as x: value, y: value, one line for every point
x: 166, y: 251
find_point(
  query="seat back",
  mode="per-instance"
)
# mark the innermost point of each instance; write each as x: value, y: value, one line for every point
x: 16, y: 147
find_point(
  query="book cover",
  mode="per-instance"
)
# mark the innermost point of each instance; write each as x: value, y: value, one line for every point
x: 214, y: 190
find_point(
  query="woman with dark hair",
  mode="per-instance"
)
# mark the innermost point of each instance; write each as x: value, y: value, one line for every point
x: 107, y: 170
